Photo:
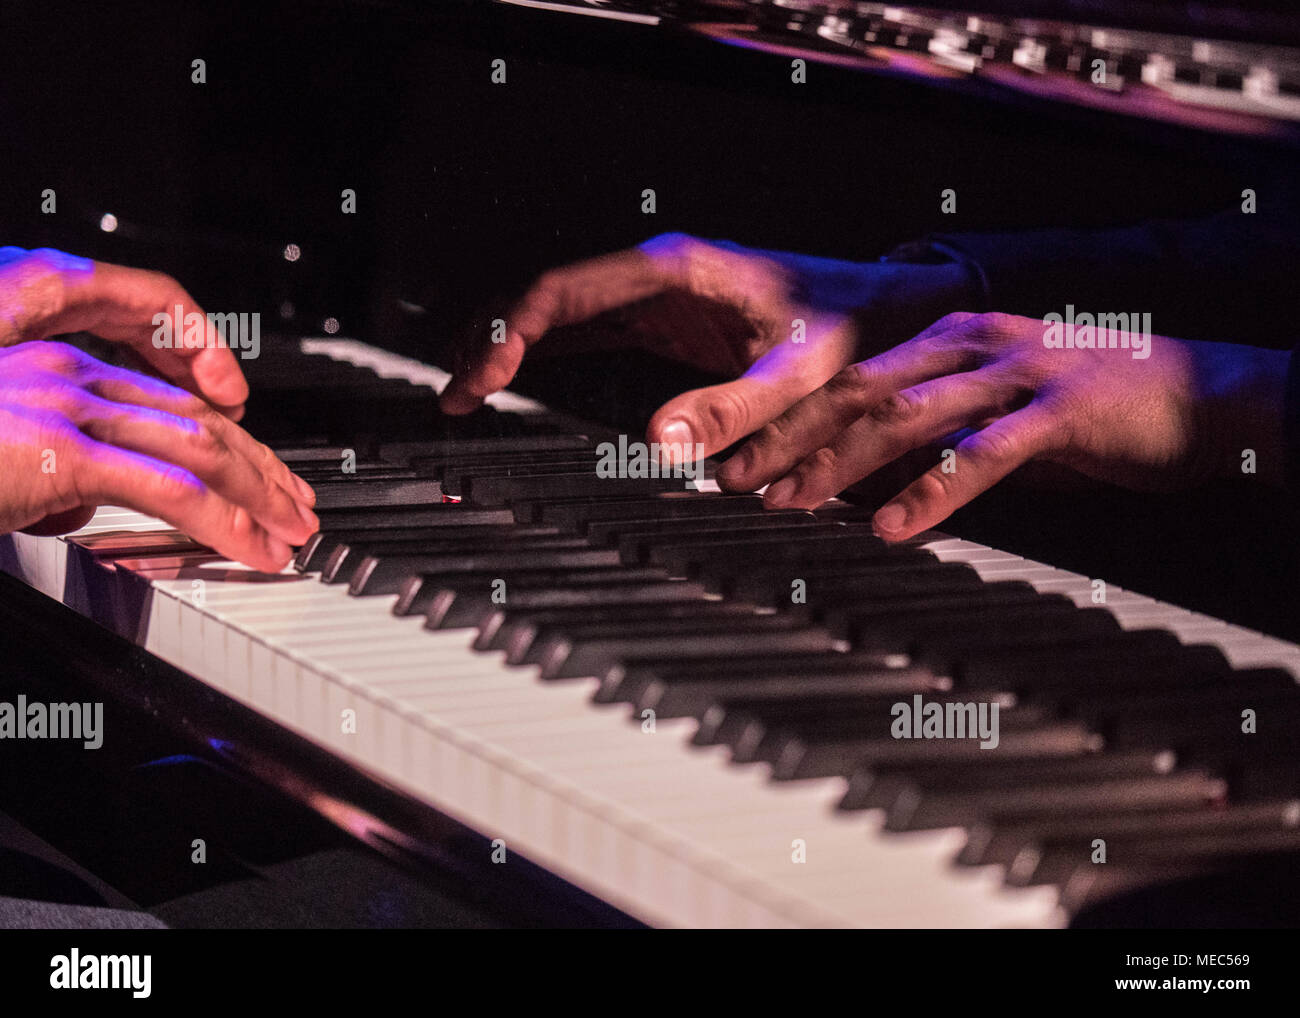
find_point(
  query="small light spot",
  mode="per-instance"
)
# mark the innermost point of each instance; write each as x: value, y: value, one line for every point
x: 292, y: 252
x: 330, y: 325
x: 108, y: 223
x: 287, y: 310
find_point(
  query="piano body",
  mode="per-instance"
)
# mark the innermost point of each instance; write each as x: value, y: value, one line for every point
x: 595, y: 701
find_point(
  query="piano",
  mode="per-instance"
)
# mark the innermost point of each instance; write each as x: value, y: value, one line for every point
x: 611, y: 679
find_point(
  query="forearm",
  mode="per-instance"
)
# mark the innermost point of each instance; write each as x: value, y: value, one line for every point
x: 1221, y: 278
x: 1245, y: 400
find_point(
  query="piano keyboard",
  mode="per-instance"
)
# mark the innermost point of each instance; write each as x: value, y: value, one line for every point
x: 649, y: 716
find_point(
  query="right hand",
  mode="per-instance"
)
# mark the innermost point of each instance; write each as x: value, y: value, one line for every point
x: 722, y: 308
x: 76, y: 433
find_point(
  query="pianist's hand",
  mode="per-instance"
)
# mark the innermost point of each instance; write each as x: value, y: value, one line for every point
x: 990, y: 389
x: 76, y: 433
x: 784, y: 323
x: 47, y: 293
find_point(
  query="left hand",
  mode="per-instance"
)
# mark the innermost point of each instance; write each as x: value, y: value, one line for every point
x: 46, y: 293
x: 1177, y: 418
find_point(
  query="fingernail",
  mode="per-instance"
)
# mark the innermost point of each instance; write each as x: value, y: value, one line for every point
x: 889, y: 519
x: 675, y: 443
x: 781, y: 493
x: 734, y: 471
x: 309, y: 518
x: 303, y: 489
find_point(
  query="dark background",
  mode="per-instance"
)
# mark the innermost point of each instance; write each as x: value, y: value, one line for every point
x: 466, y: 189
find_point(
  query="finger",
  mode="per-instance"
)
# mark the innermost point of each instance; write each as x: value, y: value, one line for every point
x: 982, y: 459
x: 753, y: 285
x: 60, y: 523
x: 121, y: 303
x: 816, y: 420
x: 896, y: 425
x: 559, y: 297
x: 710, y: 419
x: 119, y: 386
x: 201, y: 450
x: 106, y: 475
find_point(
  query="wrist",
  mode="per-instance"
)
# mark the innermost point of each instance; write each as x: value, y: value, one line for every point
x: 1248, y: 406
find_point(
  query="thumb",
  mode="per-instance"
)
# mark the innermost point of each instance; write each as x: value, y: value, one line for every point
x: 705, y: 421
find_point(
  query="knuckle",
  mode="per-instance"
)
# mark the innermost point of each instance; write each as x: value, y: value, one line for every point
x: 991, y: 446
x: 934, y: 487
x: 70, y: 448
x: 822, y: 463
x: 673, y: 244
x: 776, y: 434
x: 547, y: 284
x: 896, y: 410
x: 207, y: 444
x: 189, y: 405
x: 241, y: 526
x: 174, y: 485
x: 954, y: 320
x: 854, y: 384
x: 991, y: 324
x: 852, y: 379
x: 47, y: 259
x: 726, y: 414
x: 55, y: 358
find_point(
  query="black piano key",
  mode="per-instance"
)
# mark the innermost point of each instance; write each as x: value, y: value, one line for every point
x: 666, y: 505
x: 1151, y: 656
x: 862, y: 587
x: 386, y: 574
x: 1213, y: 726
x: 362, y: 494
x: 680, y: 689
x: 406, y: 452
x: 808, y: 543
x: 1035, y: 797
x: 524, y: 634
x: 627, y: 535
x: 800, y: 759
x: 490, y: 491
x: 419, y: 592
x: 317, y: 550
x: 1058, y: 862
x: 432, y: 514
x: 345, y: 555
x: 457, y: 462
x: 319, y: 474
x: 456, y: 609
x: 944, y: 636
x: 459, y: 478
x: 896, y: 575
x: 296, y: 457
x: 999, y: 841
x: 576, y: 654
x: 639, y: 546
x: 760, y: 729
x: 878, y: 786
